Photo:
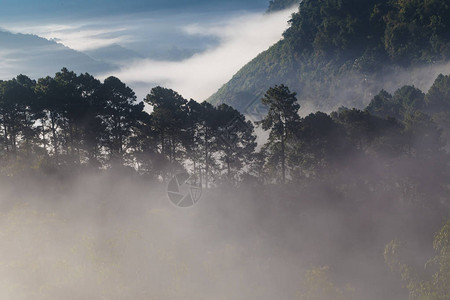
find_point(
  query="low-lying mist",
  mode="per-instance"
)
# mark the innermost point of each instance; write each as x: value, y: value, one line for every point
x: 113, y: 235
x: 240, y: 38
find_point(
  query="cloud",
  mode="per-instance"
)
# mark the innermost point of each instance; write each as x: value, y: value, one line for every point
x: 223, y: 43
x: 88, y: 39
x: 79, y: 37
x: 241, y: 38
x: 7, y: 63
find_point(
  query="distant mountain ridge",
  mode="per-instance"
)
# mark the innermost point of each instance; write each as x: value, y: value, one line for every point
x: 343, y: 52
x: 277, y: 5
x: 113, y: 54
x: 37, y: 57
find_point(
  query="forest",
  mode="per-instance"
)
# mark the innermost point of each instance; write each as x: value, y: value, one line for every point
x: 343, y: 200
x: 343, y: 52
x: 380, y: 175
x: 76, y: 121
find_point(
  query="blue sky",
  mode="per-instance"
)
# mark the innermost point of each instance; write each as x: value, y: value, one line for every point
x: 89, y: 8
x: 193, y: 47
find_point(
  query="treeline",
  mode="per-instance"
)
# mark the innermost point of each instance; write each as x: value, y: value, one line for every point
x: 344, y: 52
x: 394, y: 147
x: 362, y: 173
x: 420, y: 284
x: 71, y: 120
x: 373, y: 31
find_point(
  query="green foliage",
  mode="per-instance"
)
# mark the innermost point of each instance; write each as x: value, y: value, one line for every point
x: 17, y: 101
x: 168, y: 118
x: 406, y: 31
x: 319, y: 143
x: 438, y: 97
x: 383, y: 106
x: 434, y: 287
x: 319, y: 146
x: 318, y: 286
x: 438, y: 105
x: 339, y: 50
x: 120, y: 117
x: 238, y: 141
x: 409, y: 100
x: 71, y: 120
x: 421, y: 125
x: 281, y: 119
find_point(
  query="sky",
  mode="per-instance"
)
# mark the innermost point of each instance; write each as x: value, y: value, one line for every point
x: 193, y: 47
x: 76, y: 8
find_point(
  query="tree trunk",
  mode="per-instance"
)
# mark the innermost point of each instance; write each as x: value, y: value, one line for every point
x: 283, y: 158
x: 6, y: 136
x: 44, y: 141
x: 206, y: 159
x: 55, y: 138
x: 228, y: 167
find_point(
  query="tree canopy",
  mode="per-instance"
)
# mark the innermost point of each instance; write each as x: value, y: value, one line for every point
x: 72, y: 120
x: 344, y: 52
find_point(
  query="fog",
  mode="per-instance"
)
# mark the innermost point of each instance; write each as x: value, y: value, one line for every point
x: 116, y: 235
x: 191, y: 52
x: 240, y: 39
x: 77, y: 233
x: 355, y: 89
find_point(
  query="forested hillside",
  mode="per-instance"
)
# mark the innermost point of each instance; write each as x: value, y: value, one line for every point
x: 325, y: 193
x: 344, y: 52
x: 35, y: 56
x: 76, y: 120
x: 108, y: 196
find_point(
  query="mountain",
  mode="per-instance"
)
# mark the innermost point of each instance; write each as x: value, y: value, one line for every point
x: 173, y: 53
x: 277, y: 5
x: 37, y: 57
x: 113, y: 54
x: 344, y: 52
x: 118, y: 55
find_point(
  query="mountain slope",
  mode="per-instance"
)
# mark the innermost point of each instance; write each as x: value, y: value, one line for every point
x: 276, y: 5
x: 343, y: 52
x: 36, y: 57
x: 114, y: 54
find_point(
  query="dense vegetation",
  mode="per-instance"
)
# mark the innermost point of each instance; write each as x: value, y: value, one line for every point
x: 306, y: 214
x: 75, y: 120
x: 388, y: 161
x: 69, y: 120
x: 435, y: 286
x: 337, y: 52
